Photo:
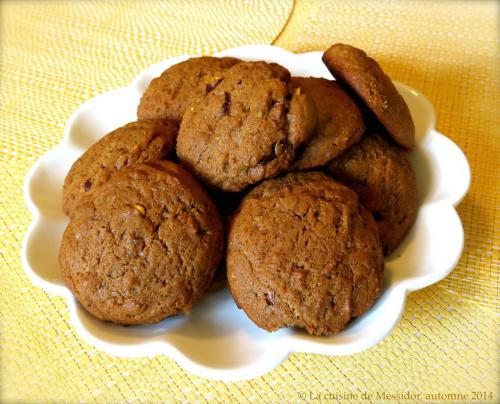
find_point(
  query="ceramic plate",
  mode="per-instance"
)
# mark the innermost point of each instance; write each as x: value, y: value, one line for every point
x: 217, y: 340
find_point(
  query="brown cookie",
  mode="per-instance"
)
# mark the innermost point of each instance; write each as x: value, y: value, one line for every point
x: 384, y: 180
x: 136, y: 142
x: 247, y: 129
x: 168, y: 95
x: 303, y: 252
x: 145, y: 245
x: 362, y: 74
x: 339, y: 122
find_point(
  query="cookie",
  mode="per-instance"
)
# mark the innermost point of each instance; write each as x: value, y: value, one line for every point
x: 168, y: 95
x: 144, y: 246
x: 339, y: 122
x: 133, y: 143
x: 384, y: 179
x: 353, y: 68
x: 247, y: 129
x: 302, y: 251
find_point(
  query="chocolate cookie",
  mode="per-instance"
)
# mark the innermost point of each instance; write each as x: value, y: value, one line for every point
x: 362, y: 74
x: 339, y: 122
x: 168, y: 96
x: 133, y: 143
x: 384, y: 179
x: 144, y: 246
x: 302, y: 251
x: 247, y: 129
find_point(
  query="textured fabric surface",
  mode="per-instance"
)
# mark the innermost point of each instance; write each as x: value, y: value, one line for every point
x: 54, y: 55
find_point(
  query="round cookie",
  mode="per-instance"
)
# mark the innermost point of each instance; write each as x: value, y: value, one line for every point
x: 247, y: 129
x: 362, y: 74
x: 133, y: 143
x: 384, y: 180
x: 169, y: 95
x: 339, y: 122
x: 145, y: 245
x: 302, y: 251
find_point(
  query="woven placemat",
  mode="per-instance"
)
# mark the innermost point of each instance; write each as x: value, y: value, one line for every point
x: 54, y: 55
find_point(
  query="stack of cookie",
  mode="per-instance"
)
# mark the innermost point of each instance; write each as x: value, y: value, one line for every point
x: 306, y: 178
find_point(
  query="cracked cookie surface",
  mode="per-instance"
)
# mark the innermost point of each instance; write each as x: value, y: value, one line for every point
x: 136, y: 142
x: 169, y: 95
x: 384, y: 180
x: 302, y: 251
x: 339, y: 122
x: 353, y: 68
x: 247, y: 129
x: 144, y: 247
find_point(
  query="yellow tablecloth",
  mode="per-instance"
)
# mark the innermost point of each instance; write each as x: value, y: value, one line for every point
x: 57, y: 54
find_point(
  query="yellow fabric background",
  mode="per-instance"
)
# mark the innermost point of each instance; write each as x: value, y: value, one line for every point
x: 56, y: 54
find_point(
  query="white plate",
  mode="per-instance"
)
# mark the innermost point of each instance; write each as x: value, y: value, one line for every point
x: 217, y: 340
